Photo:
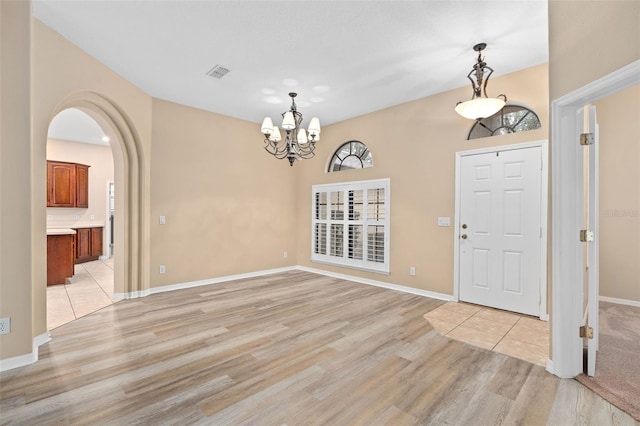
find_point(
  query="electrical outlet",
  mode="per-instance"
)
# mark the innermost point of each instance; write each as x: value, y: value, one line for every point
x: 285, y: 255
x: 412, y: 271
x: 93, y: 217
x: 77, y: 217
x: 50, y: 217
x: 162, y: 269
x: 5, y: 325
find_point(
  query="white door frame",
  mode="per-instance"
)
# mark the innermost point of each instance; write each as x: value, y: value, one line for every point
x: 593, y: 262
x: 566, y: 217
x: 544, y: 197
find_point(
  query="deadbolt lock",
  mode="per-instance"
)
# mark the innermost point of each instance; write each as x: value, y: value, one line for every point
x: 464, y: 226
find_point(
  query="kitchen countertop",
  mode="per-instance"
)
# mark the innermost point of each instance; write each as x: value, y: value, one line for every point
x: 79, y: 224
x: 60, y: 231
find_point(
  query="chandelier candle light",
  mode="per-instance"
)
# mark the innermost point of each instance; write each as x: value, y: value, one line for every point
x: 298, y: 143
x: 480, y: 106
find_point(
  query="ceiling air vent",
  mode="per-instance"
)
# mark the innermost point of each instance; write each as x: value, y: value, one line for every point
x: 217, y: 72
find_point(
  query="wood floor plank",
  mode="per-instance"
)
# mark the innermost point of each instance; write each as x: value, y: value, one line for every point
x: 292, y: 348
x: 510, y: 378
x: 396, y: 417
x: 534, y: 401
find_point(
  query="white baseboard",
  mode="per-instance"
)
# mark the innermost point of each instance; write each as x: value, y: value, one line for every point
x: 26, y: 359
x: 220, y: 279
x: 190, y: 284
x: 620, y: 301
x: 180, y: 286
x: 396, y: 287
x: 132, y: 295
x: 549, y: 367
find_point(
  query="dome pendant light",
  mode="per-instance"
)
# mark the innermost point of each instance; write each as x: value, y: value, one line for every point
x: 480, y: 106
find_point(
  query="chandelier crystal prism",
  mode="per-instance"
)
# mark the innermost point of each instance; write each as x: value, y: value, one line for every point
x: 298, y: 143
x: 480, y: 106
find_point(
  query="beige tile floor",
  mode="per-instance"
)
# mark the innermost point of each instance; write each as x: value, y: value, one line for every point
x: 90, y: 289
x: 519, y: 336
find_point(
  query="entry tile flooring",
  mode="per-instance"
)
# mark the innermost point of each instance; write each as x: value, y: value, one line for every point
x: 519, y: 336
x: 90, y: 289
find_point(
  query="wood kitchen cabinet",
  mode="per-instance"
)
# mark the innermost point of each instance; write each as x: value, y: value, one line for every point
x: 88, y: 244
x: 82, y: 186
x: 67, y: 184
x: 60, y: 258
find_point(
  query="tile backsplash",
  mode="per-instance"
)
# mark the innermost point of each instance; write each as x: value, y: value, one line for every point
x: 71, y: 218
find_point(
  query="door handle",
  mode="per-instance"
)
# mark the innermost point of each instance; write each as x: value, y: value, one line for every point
x: 464, y: 226
x: 463, y: 236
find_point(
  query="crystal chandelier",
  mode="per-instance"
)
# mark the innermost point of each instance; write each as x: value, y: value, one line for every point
x: 480, y: 106
x: 298, y: 143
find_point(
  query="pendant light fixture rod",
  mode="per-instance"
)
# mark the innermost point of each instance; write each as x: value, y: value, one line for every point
x: 480, y: 106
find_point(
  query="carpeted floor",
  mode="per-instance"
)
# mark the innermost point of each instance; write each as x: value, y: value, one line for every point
x: 617, y: 376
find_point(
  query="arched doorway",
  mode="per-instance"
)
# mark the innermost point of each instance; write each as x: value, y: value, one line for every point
x: 130, y: 278
x: 82, y: 283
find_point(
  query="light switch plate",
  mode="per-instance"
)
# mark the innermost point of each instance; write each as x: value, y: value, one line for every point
x: 5, y: 325
x: 444, y: 221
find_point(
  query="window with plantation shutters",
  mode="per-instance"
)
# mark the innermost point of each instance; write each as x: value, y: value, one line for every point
x: 350, y: 224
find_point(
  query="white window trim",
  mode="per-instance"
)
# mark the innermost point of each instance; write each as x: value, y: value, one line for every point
x: 344, y: 261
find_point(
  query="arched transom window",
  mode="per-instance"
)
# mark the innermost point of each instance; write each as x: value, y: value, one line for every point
x: 510, y: 119
x: 351, y: 155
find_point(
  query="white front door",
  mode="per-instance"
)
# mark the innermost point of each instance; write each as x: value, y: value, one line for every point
x: 500, y: 229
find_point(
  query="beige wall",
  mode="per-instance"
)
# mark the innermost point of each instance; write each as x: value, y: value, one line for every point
x: 15, y: 179
x: 587, y: 41
x: 100, y: 158
x: 59, y: 71
x: 414, y: 144
x: 229, y: 206
x: 619, y: 121
x: 590, y: 39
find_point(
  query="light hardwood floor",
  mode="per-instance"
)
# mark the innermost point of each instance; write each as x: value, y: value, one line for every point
x: 293, y: 348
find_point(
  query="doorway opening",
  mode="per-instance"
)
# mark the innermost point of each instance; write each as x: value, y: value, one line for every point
x: 567, y: 216
x: 130, y: 224
x: 76, y: 142
x: 612, y: 204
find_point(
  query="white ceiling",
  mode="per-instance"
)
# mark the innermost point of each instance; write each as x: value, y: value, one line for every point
x: 76, y: 126
x: 344, y: 58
